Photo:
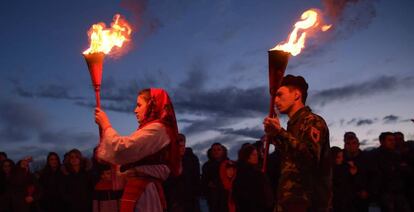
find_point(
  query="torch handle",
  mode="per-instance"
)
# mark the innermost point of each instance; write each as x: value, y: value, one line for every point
x: 98, y: 104
x: 268, y: 138
x: 98, y: 96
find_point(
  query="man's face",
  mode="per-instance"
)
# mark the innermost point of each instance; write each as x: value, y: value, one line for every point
x: 351, y: 145
x: 285, y: 98
x: 389, y: 142
x: 141, y: 108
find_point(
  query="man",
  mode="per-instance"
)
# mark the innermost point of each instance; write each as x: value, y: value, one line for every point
x: 358, y: 169
x: 305, y: 181
x: 389, y: 179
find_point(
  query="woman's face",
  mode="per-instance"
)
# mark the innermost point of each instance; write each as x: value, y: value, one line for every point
x: 230, y: 171
x: 106, y: 175
x: 339, y: 158
x: 217, y: 152
x: 53, y: 161
x: 253, y: 158
x: 74, y: 159
x: 7, y: 167
x: 24, y: 164
x: 141, y: 108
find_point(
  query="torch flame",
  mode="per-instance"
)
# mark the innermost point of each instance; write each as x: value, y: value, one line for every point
x: 103, y: 40
x: 309, y: 20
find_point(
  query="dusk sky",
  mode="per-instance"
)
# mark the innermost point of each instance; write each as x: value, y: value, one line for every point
x: 211, y: 57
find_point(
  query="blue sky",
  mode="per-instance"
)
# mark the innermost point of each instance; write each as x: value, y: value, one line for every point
x: 211, y: 56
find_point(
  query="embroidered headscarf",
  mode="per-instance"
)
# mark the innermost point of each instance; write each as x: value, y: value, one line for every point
x: 160, y: 110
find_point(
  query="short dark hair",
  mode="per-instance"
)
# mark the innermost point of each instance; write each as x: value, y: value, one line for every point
x: 399, y: 134
x: 4, y: 154
x: 383, y: 135
x: 350, y: 135
x: 296, y: 82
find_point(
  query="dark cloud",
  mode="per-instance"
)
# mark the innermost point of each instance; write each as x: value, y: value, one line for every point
x: 255, y: 133
x: 374, y: 86
x: 349, y: 16
x: 144, y: 24
x: 53, y: 91
x: 65, y: 137
x: 390, y: 119
x: 361, y: 121
x: 19, y: 121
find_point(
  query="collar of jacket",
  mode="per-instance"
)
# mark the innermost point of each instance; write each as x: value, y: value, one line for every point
x: 298, y: 114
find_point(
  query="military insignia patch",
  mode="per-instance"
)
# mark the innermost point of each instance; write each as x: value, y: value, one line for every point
x: 315, y: 134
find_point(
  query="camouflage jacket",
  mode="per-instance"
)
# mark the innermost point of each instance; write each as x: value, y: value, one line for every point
x: 306, y: 172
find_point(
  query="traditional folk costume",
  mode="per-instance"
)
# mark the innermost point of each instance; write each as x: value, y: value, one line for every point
x: 148, y: 156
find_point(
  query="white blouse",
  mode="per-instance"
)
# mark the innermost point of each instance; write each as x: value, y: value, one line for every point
x: 121, y: 150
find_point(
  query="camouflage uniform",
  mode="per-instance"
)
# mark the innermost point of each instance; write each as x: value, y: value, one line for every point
x: 305, y: 163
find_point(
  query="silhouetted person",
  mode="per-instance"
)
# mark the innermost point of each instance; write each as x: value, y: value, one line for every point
x: 50, y: 180
x: 3, y: 156
x: 358, y: 162
x: 251, y: 188
x: 210, y: 179
x: 77, y: 186
x: 7, y: 169
x: 228, y: 173
x: 407, y: 162
x: 183, y: 191
x: 389, y: 180
x: 24, y: 188
x: 341, y: 182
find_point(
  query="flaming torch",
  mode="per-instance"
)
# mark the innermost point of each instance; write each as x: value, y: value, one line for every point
x: 102, y: 41
x: 279, y: 57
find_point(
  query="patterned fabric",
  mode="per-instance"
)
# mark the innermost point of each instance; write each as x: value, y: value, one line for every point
x: 305, y: 162
x: 161, y: 110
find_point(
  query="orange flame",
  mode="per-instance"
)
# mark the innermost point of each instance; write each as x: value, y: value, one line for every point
x: 310, y: 20
x: 103, y: 40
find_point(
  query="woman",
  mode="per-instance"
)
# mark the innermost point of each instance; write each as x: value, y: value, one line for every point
x: 251, y: 189
x: 6, y: 174
x: 212, y: 187
x: 24, y: 191
x: 341, y: 182
x: 77, y: 186
x: 51, y: 177
x: 148, y: 155
x: 227, y: 175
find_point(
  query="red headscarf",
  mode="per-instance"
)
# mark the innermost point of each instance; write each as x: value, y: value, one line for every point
x: 160, y: 110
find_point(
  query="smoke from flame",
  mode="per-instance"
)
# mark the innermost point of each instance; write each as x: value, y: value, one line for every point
x: 103, y: 39
x: 310, y: 21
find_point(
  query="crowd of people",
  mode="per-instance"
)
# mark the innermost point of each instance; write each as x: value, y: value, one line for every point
x: 152, y: 170
x: 382, y: 176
